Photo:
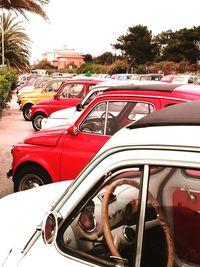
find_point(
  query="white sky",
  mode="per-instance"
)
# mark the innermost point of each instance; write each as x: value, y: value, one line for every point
x: 91, y: 26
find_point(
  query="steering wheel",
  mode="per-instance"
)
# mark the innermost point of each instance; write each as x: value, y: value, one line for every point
x: 156, y: 206
x: 112, y: 127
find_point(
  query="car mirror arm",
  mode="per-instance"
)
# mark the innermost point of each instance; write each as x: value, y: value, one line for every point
x: 32, y: 240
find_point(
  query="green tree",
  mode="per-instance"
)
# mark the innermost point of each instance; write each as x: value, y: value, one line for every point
x: 106, y: 58
x: 22, y: 6
x: 137, y: 46
x: 16, y: 44
x: 43, y: 64
x: 182, y: 45
x: 118, y: 66
x: 88, y: 58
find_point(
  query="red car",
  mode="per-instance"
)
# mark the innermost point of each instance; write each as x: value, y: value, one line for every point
x: 168, y: 78
x: 68, y: 95
x: 61, y: 153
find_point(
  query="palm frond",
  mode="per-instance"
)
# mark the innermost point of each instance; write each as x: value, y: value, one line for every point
x: 23, y: 6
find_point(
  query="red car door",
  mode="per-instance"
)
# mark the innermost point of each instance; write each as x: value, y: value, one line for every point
x: 78, y: 151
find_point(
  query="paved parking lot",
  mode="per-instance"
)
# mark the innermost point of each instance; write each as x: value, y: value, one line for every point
x: 13, y: 128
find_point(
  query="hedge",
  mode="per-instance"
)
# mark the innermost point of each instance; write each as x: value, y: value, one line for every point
x: 8, y: 81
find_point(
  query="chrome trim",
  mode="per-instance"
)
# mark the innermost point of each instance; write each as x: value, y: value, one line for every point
x: 75, y: 258
x: 142, y: 216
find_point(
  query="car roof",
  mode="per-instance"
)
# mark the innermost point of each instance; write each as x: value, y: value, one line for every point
x: 145, y: 87
x: 189, y: 89
x: 174, y: 127
x: 187, y: 113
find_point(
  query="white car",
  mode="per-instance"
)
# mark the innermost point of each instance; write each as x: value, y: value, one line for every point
x: 70, y: 115
x: 137, y: 203
x: 184, y: 79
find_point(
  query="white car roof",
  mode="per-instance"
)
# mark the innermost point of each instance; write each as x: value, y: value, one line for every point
x: 177, y: 125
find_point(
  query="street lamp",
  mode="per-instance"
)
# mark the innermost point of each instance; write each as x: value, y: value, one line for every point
x: 2, y: 39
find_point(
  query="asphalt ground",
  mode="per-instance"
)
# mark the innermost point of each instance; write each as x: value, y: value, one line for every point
x: 13, y: 129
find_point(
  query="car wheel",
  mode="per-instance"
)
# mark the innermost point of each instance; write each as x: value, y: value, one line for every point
x: 37, y: 119
x: 30, y: 176
x: 27, y: 112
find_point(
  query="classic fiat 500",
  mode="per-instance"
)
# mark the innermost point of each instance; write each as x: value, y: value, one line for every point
x: 61, y: 153
x: 137, y: 203
x: 68, y: 95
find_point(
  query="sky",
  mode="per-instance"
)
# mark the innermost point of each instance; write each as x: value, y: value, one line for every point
x: 91, y: 26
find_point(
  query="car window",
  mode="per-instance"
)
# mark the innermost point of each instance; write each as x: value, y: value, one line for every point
x: 179, y: 79
x: 91, y: 86
x: 85, y: 233
x: 110, y: 116
x: 190, y: 80
x: 142, y: 213
x: 73, y: 91
x: 53, y: 86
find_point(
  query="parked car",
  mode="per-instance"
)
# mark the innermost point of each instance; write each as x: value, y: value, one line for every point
x: 33, y: 89
x: 60, y: 153
x: 150, y: 77
x: 27, y: 99
x: 69, y: 94
x: 28, y: 83
x: 135, y: 204
x: 32, y: 85
x: 168, y: 78
x: 121, y: 76
x: 70, y: 115
x: 184, y: 79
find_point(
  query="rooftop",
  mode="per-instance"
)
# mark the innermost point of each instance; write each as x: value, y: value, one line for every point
x: 187, y: 113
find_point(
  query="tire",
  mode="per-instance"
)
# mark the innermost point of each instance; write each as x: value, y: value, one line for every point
x: 27, y: 112
x: 30, y: 176
x: 36, y: 120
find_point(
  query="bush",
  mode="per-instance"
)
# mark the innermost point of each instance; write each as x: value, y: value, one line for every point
x: 8, y: 81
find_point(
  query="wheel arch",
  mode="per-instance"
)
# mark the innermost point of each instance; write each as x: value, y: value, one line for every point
x: 39, y: 112
x: 32, y: 163
x: 27, y: 104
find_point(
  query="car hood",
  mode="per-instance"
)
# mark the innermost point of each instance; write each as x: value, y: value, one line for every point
x: 21, y: 212
x: 47, y: 137
x: 66, y: 113
x: 46, y: 101
x: 28, y: 93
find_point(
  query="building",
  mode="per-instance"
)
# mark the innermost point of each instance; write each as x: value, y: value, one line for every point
x: 62, y: 59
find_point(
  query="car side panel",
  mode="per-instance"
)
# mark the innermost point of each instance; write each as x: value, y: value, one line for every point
x: 77, y: 151
x: 56, y: 104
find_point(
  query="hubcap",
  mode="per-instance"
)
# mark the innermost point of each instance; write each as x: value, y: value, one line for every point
x: 29, y: 182
x: 28, y: 113
x: 38, y: 121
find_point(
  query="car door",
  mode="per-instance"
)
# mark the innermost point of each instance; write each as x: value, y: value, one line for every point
x: 95, y: 127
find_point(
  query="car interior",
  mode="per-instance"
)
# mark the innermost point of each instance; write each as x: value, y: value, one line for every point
x: 104, y: 227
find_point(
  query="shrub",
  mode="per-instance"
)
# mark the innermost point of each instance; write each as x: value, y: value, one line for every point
x: 8, y: 81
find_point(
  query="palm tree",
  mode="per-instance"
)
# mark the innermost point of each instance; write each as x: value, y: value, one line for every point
x: 23, y: 6
x: 16, y: 43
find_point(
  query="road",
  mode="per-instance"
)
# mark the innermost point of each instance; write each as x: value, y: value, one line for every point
x: 13, y: 129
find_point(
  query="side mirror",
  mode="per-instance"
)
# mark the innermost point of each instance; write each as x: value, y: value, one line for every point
x: 73, y: 130
x: 55, y: 96
x: 50, y: 228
